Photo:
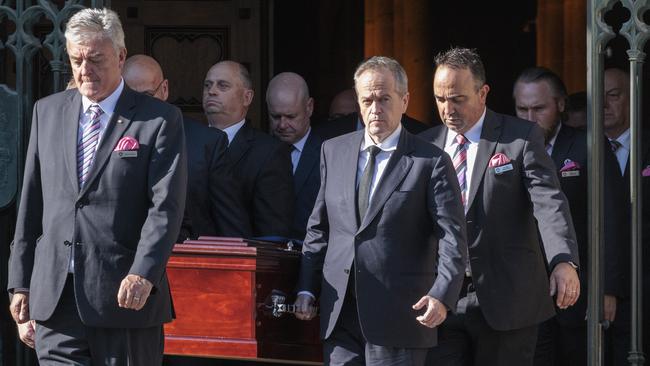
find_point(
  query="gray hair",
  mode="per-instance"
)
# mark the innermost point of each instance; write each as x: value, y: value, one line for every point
x: 385, y: 63
x: 91, y: 23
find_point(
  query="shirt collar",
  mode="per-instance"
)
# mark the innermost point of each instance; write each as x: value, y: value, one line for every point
x: 300, y: 144
x: 473, y: 135
x: 389, y: 144
x: 624, y: 139
x: 232, y: 130
x: 551, y: 142
x: 108, y: 104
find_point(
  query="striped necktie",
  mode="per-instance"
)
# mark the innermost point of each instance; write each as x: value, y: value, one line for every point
x: 460, y: 164
x: 88, y: 143
x: 615, y: 145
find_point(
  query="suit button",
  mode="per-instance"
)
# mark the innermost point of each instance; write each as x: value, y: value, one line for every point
x: 347, y: 271
x: 67, y: 243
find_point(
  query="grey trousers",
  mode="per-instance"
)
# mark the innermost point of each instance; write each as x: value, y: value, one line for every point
x: 65, y: 340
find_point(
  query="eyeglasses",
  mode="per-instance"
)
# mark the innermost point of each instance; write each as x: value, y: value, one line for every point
x: 155, y: 91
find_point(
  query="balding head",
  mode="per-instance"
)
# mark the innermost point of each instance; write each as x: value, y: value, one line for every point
x: 143, y: 74
x: 227, y: 94
x: 343, y: 104
x: 290, y: 107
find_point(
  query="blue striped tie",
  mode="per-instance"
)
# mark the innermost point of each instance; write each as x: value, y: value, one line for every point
x: 88, y: 144
x: 460, y: 164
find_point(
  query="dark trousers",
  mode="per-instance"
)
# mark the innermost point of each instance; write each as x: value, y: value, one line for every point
x: 559, y: 345
x: 347, y: 345
x: 65, y: 340
x: 466, y: 339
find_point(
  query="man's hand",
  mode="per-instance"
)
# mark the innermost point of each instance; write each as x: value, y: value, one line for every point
x: 609, y: 308
x: 19, y: 307
x: 305, y: 309
x: 436, y: 311
x: 26, y: 332
x: 564, y: 281
x: 134, y: 292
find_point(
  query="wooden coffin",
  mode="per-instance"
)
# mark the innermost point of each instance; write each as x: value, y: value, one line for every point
x: 221, y: 288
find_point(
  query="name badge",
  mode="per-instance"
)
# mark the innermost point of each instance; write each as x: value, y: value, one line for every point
x: 571, y: 173
x: 503, y: 168
x: 128, y: 154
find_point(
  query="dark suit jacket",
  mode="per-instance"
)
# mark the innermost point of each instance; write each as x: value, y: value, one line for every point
x: 306, y: 181
x: 504, y: 210
x: 262, y: 166
x: 348, y: 123
x: 124, y: 220
x: 214, y: 206
x: 411, y: 243
x: 571, y: 144
x: 626, y: 240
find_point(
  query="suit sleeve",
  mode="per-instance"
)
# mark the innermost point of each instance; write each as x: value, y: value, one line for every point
x: 550, y: 205
x: 314, y: 246
x: 167, y: 187
x: 273, y: 197
x: 228, y: 213
x: 448, y: 216
x: 30, y: 214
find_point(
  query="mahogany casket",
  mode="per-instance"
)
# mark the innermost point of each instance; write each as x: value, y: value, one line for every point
x: 227, y: 295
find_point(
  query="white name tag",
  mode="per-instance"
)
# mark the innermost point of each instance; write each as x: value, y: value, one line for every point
x: 571, y: 173
x: 128, y: 154
x: 503, y: 168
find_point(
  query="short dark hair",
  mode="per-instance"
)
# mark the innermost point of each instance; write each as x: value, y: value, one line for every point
x: 463, y: 58
x: 537, y: 74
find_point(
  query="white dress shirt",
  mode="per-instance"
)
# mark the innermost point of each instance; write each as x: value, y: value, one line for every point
x: 473, y: 137
x: 231, y: 131
x: 551, y: 143
x: 381, y: 160
x: 623, y: 152
x: 108, y: 108
x: 296, y: 152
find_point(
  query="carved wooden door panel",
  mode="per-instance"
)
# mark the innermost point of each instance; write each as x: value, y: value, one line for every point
x: 187, y: 37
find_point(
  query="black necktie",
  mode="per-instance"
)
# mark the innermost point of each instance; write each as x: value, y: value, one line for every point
x: 363, y: 195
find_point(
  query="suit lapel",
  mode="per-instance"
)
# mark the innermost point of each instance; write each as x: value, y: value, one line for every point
x: 117, y: 125
x: 561, y: 147
x: 308, y: 161
x: 349, y: 152
x: 240, y: 144
x: 398, y: 166
x: 71, y: 111
x: 486, y: 146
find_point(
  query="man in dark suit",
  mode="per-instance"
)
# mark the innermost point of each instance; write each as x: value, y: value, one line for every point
x: 386, y: 259
x: 290, y: 108
x: 616, y: 123
x: 101, y: 206
x: 212, y: 206
x: 540, y: 96
x: 510, y: 191
x: 261, y: 164
x: 353, y: 122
